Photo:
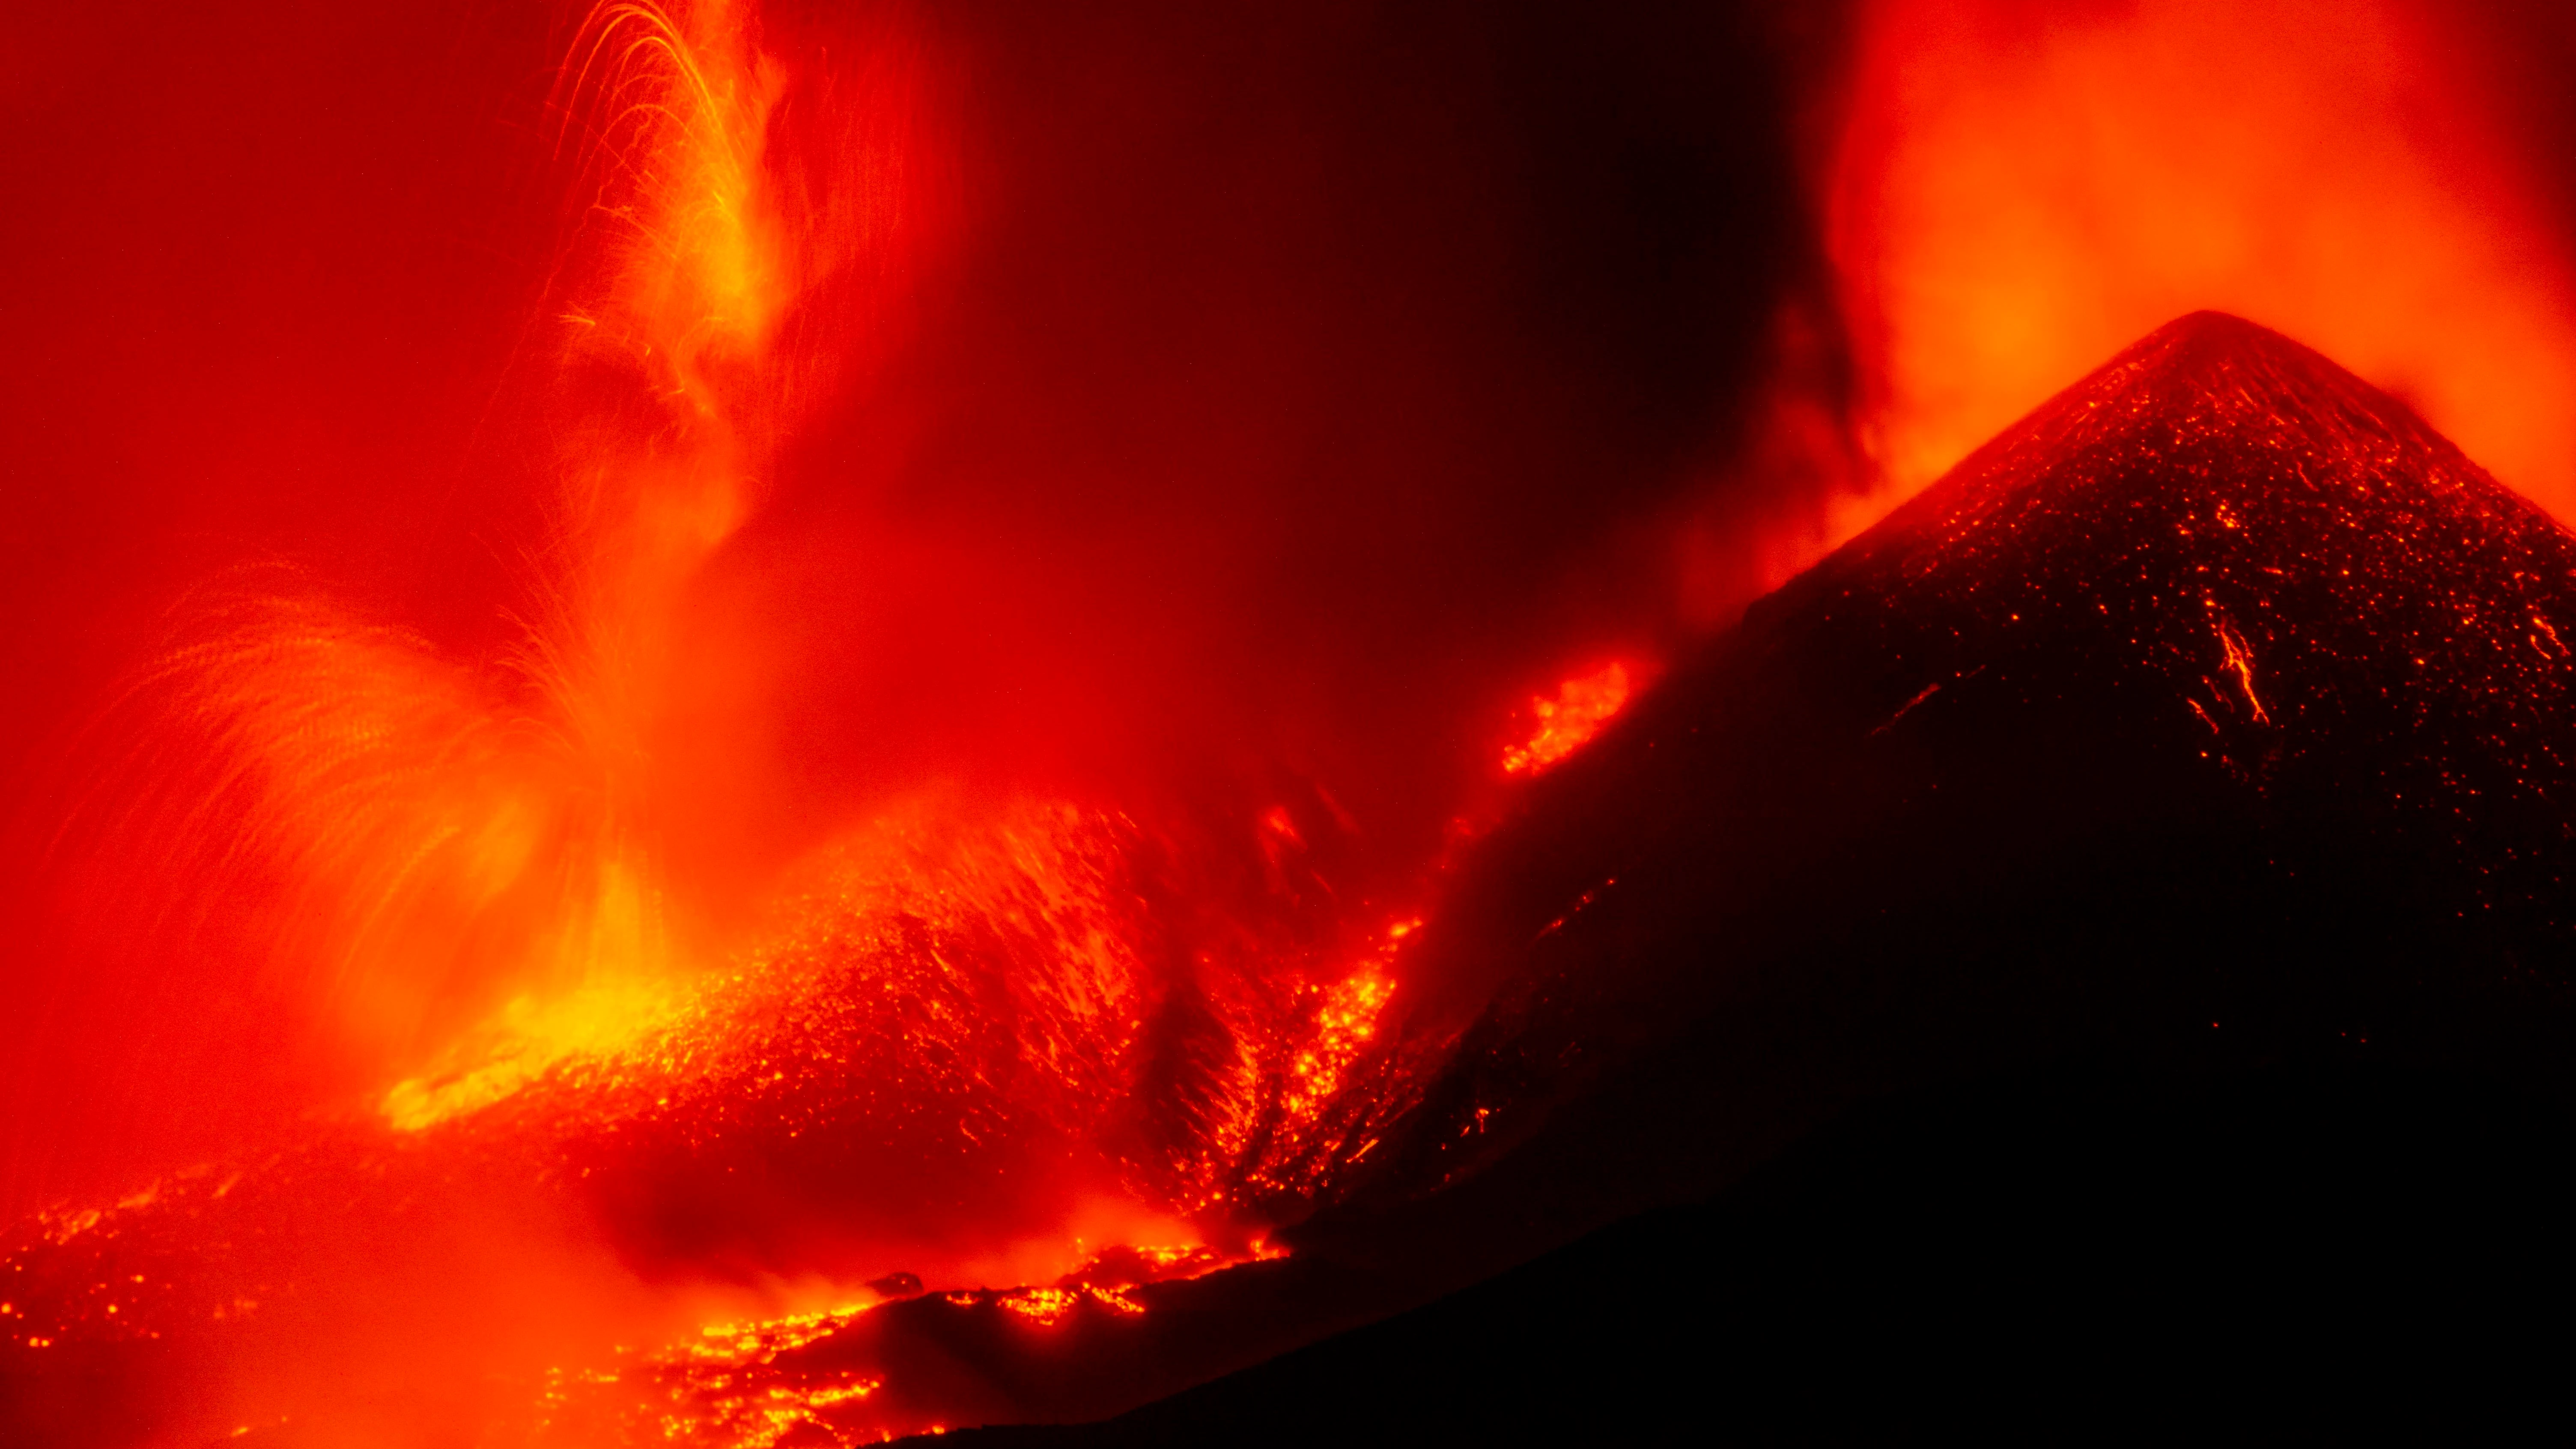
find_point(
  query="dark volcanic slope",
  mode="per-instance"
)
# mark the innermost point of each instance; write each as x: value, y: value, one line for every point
x: 2043, y: 1254
x: 2213, y: 718
x: 2108, y: 926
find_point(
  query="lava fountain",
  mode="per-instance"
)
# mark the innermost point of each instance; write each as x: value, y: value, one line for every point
x: 524, y: 990
x: 944, y: 783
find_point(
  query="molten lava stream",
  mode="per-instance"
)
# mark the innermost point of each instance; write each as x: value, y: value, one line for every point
x: 884, y: 918
x: 587, y: 1082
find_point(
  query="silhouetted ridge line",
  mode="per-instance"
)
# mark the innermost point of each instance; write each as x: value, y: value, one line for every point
x: 2217, y: 690
x: 2202, y: 377
x: 2118, y: 906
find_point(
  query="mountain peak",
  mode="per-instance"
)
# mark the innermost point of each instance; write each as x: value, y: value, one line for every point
x: 2217, y: 457
x: 2218, y: 690
x: 2214, y: 373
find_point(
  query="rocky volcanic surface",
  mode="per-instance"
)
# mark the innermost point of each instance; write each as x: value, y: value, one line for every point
x: 2105, y: 931
x: 2217, y: 713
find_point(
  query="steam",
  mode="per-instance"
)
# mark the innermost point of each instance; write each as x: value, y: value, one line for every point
x: 2020, y: 194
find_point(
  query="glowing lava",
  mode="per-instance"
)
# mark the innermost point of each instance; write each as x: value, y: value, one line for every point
x: 601, y: 1062
x: 1583, y: 704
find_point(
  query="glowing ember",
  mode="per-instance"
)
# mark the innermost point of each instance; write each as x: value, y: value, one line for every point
x: 958, y: 994
x: 1583, y: 704
x: 742, y: 1386
x: 739, y: 1384
x: 610, y: 1006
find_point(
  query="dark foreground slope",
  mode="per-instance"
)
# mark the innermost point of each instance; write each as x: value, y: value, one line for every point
x: 2076, y: 1255
x: 2125, y: 900
x: 2216, y: 716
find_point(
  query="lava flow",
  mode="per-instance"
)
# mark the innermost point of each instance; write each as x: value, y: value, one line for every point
x: 779, y: 724
x: 772, y: 908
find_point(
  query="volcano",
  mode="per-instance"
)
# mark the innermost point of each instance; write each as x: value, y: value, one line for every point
x: 2109, y: 925
x: 2217, y: 713
x: 2128, y: 886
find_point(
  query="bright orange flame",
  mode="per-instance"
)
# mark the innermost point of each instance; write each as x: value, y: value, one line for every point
x: 2023, y: 190
x: 1583, y: 704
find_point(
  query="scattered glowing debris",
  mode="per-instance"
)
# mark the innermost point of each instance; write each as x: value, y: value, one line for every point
x: 1345, y: 1021
x: 1583, y: 704
x: 2240, y: 662
x: 767, y: 1338
x: 1188, y: 1262
x: 1045, y: 1307
x: 1344, y: 1024
x: 63, y: 1227
x: 738, y: 1385
x: 2556, y: 648
x: 1323, y: 1111
x: 1581, y: 903
x: 855, y: 1389
x: 750, y: 1383
x: 1907, y: 708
